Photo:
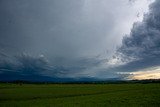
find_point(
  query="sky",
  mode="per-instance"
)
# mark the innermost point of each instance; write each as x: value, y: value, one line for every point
x: 102, y: 39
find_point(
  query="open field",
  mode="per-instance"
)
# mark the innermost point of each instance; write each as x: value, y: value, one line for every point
x: 80, y: 95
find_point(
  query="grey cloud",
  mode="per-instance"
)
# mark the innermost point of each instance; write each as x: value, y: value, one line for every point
x: 72, y: 34
x: 143, y: 43
x: 29, y: 65
x: 25, y: 65
x: 66, y: 31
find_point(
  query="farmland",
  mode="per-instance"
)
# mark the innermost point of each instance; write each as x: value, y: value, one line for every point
x: 80, y: 95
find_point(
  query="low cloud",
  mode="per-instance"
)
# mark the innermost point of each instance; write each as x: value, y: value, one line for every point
x: 25, y: 64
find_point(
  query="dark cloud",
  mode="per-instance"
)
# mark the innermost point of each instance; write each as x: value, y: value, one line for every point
x: 25, y: 65
x: 72, y: 38
x: 143, y: 43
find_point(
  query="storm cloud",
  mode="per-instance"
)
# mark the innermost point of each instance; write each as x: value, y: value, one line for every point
x: 143, y: 43
x: 77, y: 38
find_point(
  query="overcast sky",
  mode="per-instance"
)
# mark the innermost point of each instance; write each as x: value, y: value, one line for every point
x: 80, y: 38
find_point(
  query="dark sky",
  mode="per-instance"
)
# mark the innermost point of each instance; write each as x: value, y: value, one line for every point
x: 79, y: 38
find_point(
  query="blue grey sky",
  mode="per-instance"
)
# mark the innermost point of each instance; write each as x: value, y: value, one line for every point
x: 79, y: 38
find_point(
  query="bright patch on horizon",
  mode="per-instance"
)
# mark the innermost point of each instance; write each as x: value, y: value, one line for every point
x: 151, y: 73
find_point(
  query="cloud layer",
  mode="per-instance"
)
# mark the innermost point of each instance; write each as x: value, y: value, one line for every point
x: 77, y: 38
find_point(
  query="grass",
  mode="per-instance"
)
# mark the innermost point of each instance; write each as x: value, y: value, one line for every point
x: 80, y: 95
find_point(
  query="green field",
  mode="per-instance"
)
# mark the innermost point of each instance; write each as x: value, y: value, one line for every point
x: 80, y: 95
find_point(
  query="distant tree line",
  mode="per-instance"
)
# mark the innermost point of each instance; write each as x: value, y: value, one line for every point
x: 85, y: 82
